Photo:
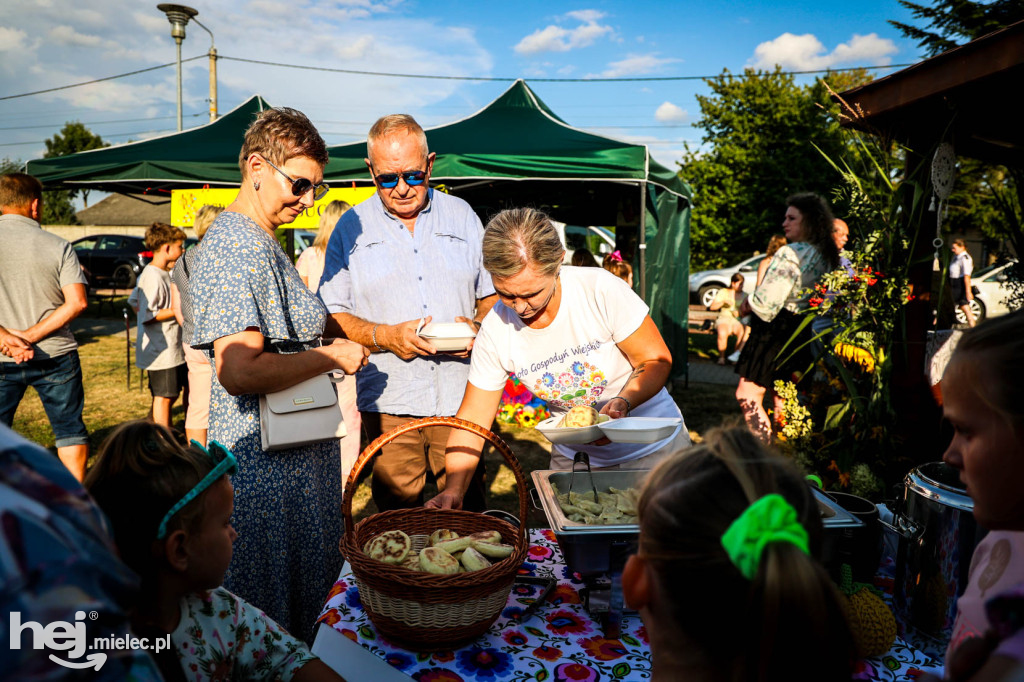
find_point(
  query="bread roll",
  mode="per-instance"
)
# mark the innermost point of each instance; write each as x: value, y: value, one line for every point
x: 391, y: 547
x: 491, y: 536
x: 441, y: 535
x: 494, y: 550
x: 581, y: 415
x: 473, y: 560
x: 438, y: 561
x: 456, y: 545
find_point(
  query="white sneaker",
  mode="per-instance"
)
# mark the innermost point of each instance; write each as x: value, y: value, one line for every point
x: 734, y: 357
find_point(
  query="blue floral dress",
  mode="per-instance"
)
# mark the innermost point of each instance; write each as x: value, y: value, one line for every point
x: 287, y: 502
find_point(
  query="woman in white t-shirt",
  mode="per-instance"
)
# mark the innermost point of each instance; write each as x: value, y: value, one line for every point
x: 572, y: 336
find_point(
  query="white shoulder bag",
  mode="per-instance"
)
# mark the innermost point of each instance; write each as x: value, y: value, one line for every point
x: 306, y: 413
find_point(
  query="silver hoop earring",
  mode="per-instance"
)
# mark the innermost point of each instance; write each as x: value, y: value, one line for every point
x: 256, y: 185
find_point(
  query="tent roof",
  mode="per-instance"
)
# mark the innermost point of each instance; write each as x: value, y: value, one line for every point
x: 515, y: 137
x: 518, y: 137
x: 207, y: 154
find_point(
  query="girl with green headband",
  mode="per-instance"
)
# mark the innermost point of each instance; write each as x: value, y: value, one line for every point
x: 170, y: 512
x: 725, y: 576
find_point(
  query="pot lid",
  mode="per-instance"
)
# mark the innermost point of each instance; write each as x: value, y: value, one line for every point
x: 940, y: 482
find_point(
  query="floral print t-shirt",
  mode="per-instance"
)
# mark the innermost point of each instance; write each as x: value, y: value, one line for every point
x: 221, y: 637
x: 575, y: 360
x: 787, y: 283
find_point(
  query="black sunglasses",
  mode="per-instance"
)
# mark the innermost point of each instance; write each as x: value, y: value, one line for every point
x: 390, y: 180
x: 301, y: 185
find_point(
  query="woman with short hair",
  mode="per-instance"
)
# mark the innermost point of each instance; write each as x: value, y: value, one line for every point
x: 573, y: 336
x: 262, y: 329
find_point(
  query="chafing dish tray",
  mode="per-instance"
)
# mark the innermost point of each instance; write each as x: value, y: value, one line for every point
x: 588, y: 548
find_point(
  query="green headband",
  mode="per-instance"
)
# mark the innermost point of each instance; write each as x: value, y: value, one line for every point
x: 769, y: 519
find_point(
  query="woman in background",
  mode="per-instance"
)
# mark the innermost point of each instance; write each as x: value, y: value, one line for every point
x: 774, y: 244
x: 774, y: 351
x: 311, y: 266
x: 311, y: 263
x: 583, y: 258
x: 197, y: 413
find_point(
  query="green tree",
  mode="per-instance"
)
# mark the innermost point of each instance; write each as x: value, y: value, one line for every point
x: 949, y: 23
x: 74, y: 137
x: 765, y: 137
x: 9, y: 165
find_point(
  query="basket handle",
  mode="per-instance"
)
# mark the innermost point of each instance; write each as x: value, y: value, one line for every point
x: 454, y: 422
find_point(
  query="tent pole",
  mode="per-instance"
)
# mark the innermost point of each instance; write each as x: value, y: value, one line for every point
x: 642, y: 243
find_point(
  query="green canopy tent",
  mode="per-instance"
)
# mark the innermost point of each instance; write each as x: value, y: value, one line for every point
x: 516, y: 152
x: 205, y: 155
x: 513, y: 152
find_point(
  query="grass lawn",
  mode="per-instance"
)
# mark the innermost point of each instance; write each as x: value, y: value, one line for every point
x: 109, y: 401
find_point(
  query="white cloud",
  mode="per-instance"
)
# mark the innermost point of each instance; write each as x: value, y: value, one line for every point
x: 50, y: 45
x: 65, y: 35
x: 805, y: 52
x: 554, y: 38
x: 635, y: 65
x: 587, y: 16
x: 670, y: 113
x: 12, y: 39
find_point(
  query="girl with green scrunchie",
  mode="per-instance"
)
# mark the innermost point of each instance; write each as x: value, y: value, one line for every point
x: 726, y: 577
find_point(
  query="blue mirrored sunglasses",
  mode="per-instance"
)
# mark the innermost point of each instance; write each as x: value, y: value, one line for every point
x: 390, y: 180
x: 225, y: 464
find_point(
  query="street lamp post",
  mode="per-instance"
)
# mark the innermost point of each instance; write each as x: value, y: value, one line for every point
x: 178, y: 15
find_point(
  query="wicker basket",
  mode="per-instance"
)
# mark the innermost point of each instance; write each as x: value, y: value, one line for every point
x: 422, y: 611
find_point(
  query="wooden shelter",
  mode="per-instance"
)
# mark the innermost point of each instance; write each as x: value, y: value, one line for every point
x: 965, y: 97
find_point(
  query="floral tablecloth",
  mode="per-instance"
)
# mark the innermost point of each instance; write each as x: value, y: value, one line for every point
x: 559, y: 642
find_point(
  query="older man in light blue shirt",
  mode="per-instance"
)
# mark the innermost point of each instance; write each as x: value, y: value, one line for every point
x: 407, y: 254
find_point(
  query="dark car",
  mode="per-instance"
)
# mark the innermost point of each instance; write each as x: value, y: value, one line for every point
x: 112, y: 260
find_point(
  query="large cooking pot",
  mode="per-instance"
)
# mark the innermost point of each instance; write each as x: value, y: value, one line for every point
x: 937, y: 536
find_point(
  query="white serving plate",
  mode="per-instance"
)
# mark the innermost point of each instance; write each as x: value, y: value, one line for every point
x: 640, y: 429
x: 569, y: 434
x: 449, y: 336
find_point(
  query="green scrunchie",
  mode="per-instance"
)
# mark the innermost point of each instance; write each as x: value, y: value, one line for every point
x: 769, y: 519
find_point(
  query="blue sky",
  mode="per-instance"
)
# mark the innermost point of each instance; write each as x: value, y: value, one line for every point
x: 51, y: 43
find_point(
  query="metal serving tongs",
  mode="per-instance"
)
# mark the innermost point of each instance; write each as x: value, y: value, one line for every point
x: 585, y: 458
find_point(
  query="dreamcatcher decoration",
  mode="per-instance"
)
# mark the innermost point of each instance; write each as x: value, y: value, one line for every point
x: 943, y: 176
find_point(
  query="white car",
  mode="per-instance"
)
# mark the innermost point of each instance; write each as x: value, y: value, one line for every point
x: 992, y: 292
x: 598, y: 240
x: 706, y: 283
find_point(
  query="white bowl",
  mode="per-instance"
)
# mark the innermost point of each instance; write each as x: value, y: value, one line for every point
x: 640, y: 429
x: 569, y: 434
x: 449, y: 336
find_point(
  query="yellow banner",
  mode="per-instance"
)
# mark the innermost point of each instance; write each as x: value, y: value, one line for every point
x: 185, y: 203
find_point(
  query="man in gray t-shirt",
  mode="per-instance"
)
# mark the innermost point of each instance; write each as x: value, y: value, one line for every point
x: 42, y: 289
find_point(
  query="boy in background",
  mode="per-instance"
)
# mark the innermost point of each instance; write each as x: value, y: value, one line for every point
x: 158, y: 334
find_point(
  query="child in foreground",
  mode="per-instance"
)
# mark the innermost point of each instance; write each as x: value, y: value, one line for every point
x: 170, y: 510
x: 158, y: 334
x: 725, y: 576
x: 983, y: 399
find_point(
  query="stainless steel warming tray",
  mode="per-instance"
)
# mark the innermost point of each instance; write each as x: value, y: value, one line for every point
x: 592, y: 549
